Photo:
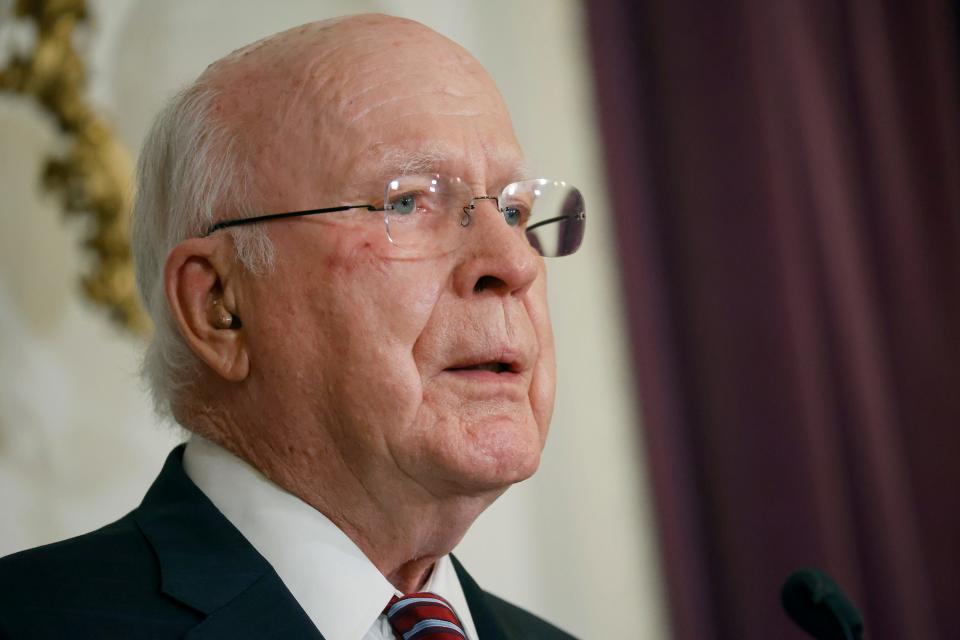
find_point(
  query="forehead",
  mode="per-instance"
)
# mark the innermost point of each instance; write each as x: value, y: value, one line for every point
x: 368, y: 100
x: 409, y: 115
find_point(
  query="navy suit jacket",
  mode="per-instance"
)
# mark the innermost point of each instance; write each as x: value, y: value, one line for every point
x: 175, y: 567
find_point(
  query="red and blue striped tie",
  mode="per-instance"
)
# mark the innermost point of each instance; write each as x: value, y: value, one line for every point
x: 423, y: 615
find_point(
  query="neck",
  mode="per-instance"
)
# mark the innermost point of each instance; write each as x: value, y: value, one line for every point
x: 402, y: 528
x: 411, y: 577
x: 405, y: 544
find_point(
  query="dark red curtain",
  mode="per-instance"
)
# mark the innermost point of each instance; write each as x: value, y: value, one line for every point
x: 785, y: 179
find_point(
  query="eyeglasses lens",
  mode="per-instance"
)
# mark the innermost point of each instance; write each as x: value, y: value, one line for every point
x: 427, y: 214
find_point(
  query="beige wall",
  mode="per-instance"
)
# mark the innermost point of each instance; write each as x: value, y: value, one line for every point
x: 78, y: 444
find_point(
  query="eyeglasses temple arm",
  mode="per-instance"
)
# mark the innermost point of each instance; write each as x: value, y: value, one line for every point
x: 290, y: 214
x: 549, y: 220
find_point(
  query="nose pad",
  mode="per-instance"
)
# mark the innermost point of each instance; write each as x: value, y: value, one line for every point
x: 472, y: 205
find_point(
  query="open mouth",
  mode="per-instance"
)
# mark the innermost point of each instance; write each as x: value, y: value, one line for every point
x: 494, y: 367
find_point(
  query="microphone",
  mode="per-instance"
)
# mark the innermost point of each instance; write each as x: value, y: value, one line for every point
x: 819, y: 607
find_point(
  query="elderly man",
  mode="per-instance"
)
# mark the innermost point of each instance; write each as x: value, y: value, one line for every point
x: 343, y: 254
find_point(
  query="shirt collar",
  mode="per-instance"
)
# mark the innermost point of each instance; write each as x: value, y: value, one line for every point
x: 337, y: 586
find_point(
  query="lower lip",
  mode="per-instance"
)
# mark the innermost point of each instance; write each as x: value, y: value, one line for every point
x: 507, y: 382
x: 484, y: 374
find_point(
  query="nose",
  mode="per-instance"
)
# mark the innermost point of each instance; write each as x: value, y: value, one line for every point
x: 495, y: 257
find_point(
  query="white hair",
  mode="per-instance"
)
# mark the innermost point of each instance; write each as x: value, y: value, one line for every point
x: 192, y: 170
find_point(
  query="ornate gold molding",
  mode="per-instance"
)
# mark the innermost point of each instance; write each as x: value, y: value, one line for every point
x: 93, y: 178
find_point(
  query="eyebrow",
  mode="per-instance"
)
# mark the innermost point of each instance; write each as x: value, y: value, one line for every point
x: 403, y: 162
x: 430, y: 158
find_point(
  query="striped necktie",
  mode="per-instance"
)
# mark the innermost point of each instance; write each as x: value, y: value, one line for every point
x: 423, y: 615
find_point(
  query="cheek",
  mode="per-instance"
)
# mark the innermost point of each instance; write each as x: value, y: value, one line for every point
x: 543, y: 383
x: 386, y: 302
x: 373, y: 316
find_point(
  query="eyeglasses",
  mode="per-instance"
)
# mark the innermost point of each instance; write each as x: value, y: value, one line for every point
x: 426, y: 214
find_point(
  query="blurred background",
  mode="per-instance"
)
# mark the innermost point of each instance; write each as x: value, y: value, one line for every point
x: 756, y: 346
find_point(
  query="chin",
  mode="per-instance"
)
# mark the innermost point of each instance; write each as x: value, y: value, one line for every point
x: 497, y: 453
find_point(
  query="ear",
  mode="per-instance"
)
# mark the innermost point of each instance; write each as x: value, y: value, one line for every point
x: 202, y: 300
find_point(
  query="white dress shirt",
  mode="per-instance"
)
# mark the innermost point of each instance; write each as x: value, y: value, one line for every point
x: 338, y: 587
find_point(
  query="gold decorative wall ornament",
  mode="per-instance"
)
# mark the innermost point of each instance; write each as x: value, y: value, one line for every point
x: 93, y: 177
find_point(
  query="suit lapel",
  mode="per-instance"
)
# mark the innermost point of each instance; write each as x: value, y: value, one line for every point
x: 488, y: 624
x: 208, y: 565
x: 265, y: 610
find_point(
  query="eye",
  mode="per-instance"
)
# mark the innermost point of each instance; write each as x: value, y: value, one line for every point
x: 405, y: 204
x: 513, y: 215
x: 517, y: 214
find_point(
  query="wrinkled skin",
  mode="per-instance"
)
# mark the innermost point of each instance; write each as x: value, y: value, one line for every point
x: 344, y: 385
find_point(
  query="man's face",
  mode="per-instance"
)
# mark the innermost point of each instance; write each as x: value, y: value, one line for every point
x: 374, y: 357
